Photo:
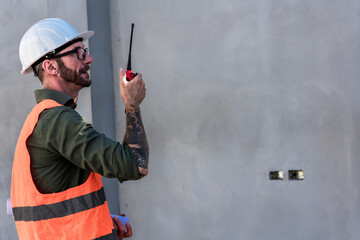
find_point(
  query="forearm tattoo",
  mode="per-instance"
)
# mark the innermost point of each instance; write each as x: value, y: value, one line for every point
x: 135, y: 135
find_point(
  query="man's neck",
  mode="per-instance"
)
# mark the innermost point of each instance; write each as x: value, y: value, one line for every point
x: 69, y: 89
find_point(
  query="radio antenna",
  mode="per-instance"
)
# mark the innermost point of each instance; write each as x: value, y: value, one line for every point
x: 129, y: 59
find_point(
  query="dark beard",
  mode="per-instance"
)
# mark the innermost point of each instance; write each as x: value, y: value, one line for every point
x: 70, y: 75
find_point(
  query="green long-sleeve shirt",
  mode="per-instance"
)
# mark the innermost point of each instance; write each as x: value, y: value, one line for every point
x: 64, y: 148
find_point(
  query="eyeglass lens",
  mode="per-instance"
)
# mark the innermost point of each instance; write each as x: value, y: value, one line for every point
x: 81, y: 53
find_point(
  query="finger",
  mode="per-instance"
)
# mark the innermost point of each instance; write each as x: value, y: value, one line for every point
x: 119, y: 225
x: 115, y: 225
x: 129, y: 232
x: 122, y: 75
x: 138, y: 76
x: 121, y: 234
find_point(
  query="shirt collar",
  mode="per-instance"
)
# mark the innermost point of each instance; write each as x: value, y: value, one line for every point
x: 62, y: 98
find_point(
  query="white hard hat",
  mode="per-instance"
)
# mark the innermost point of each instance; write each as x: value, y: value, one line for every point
x: 46, y: 38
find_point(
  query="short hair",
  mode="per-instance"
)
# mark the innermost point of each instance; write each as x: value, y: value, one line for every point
x: 39, y: 71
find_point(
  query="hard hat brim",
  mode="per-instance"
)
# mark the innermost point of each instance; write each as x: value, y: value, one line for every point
x: 84, y: 35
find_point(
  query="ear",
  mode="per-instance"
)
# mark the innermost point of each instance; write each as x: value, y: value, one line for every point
x: 50, y: 67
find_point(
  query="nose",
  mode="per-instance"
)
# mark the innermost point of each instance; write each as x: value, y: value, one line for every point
x: 88, y: 59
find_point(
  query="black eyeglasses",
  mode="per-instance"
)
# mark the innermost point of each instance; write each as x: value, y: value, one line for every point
x: 80, y: 51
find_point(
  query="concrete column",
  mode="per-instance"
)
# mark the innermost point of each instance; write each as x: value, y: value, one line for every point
x: 102, y: 95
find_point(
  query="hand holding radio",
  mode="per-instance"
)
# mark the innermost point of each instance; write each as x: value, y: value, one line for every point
x: 132, y: 92
x: 132, y: 86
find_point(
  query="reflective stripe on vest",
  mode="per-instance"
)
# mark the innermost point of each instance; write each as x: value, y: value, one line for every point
x: 80, y: 212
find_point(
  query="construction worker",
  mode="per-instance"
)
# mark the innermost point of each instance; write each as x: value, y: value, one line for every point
x: 56, y: 190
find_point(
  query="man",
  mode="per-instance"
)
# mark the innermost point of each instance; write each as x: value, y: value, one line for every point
x: 56, y: 188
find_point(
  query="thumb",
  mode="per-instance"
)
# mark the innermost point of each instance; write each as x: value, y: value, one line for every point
x: 122, y: 74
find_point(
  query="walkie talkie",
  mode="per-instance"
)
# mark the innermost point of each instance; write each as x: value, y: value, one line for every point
x: 129, y: 74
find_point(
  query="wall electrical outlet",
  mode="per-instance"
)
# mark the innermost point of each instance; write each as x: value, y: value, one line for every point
x: 276, y: 175
x: 296, y: 175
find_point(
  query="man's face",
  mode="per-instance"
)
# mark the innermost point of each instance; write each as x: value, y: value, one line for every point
x: 73, y: 70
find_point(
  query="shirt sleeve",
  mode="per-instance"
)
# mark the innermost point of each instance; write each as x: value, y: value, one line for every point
x: 76, y: 140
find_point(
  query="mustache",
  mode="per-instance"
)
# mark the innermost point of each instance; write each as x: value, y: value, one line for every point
x: 85, y: 69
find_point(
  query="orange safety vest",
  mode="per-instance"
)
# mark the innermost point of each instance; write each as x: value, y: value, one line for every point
x: 77, y: 213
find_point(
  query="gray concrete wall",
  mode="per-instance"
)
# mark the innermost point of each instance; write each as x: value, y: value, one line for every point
x: 16, y: 90
x: 236, y: 89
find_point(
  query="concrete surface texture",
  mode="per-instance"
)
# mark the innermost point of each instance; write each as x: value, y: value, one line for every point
x: 236, y: 89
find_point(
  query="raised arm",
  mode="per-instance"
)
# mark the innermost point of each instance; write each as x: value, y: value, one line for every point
x: 133, y: 93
